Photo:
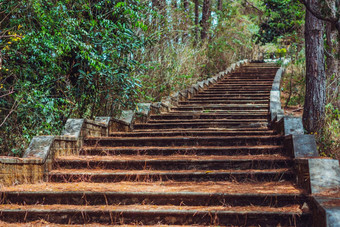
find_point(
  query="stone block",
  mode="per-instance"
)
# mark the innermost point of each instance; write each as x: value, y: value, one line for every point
x: 143, y: 109
x: 155, y: 108
x: 289, y: 126
x: 301, y: 146
x: 73, y: 128
x: 324, y: 174
x: 126, y: 117
x: 201, y: 85
x: 326, y: 212
x: 40, y: 147
x: 103, y: 120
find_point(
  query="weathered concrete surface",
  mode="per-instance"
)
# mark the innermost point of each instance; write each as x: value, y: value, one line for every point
x: 324, y: 174
x: 290, y: 126
x: 40, y: 147
x: 142, y: 113
x: 73, y: 127
x: 301, y: 146
x: 103, y: 120
x: 143, y: 108
x: 327, y: 212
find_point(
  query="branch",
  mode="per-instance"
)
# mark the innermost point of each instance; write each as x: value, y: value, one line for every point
x: 317, y: 14
x: 9, y: 93
x: 253, y: 6
x: 15, y: 105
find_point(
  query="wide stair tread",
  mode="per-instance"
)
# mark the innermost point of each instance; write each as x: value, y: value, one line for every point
x: 193, y: 150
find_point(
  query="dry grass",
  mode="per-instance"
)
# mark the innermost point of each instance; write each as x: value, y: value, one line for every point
x: 154, y: 208
x: 164, y: 187
x: 146, y: 158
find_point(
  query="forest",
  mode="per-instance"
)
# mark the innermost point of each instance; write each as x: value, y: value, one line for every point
x: 86, y: 58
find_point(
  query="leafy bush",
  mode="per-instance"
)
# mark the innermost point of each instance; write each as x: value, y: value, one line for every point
x: 66, y: 59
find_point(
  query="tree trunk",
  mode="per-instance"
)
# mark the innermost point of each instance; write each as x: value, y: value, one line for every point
x: 185, y: 5
x: 205, y: 19
x: 196, y: 21
x: 315, y: 100
x: 332, y: 62
x: 186, y: 20
x: 219, y: 5
x: 174, y: 4
x: 332, y: 58
x: 155, y: 4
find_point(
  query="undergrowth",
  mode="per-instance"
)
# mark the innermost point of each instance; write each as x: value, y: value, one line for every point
x: 292, y: 99
x: 81, y: 59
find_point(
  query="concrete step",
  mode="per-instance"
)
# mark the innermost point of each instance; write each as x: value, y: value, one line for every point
x: 201, y: 125
x: 105, y: 175
x: 235, y: 96
x: 226, y: 107
x: 214, y: 101
x: 193, y: 133
x: 174, y: 162
x: 204, y: 116
x: 232, y: 98
x: 151, y: 214
x: 212, y: 121
x: 274, y: 194
x: 183, y: 141
x: 184, y: 150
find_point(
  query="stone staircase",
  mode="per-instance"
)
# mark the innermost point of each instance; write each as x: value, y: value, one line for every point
x: 211, y: 160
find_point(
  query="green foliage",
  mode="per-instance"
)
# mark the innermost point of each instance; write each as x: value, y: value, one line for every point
x: 281, y: 18
x: 62, y: 59
x: 67, y: 58
x: 329, y: 140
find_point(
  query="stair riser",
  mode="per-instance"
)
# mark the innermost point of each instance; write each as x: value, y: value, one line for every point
x: 212, y: 121
x: 223, y: 102
x: 242, y: 99
x: 236, y: 91
x: 175, y: 165
x: 236, y: 88
x: 185, y: 142
x: 153, y: 218
x: 225, y: 108
x: 221, y: 125
x: 240, y: 177
x: 233, y: 96
x: 196, y: 134
x: 120, y: 198
x: 194, y: 151
x: 212, y: 116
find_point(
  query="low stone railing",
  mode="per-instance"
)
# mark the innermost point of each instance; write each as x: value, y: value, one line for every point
x: 38, y: 158
x: 319, y: 176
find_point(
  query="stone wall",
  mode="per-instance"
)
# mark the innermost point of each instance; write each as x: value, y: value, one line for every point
x: 319, y: 176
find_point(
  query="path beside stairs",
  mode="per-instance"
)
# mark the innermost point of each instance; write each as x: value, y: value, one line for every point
x: 211, y: 160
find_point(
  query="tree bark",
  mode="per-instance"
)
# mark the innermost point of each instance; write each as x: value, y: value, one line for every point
x: 186, y: 20
x: 185, y: 5
x: 219, y: 5
x: 205, y: 19
x: 196, y: 20
x: 332, y: 62
x: 174, y: 4
x: 315, y: 99
x: 155, y: 3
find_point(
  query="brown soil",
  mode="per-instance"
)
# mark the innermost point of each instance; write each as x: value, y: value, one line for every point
x: 295, y: 111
